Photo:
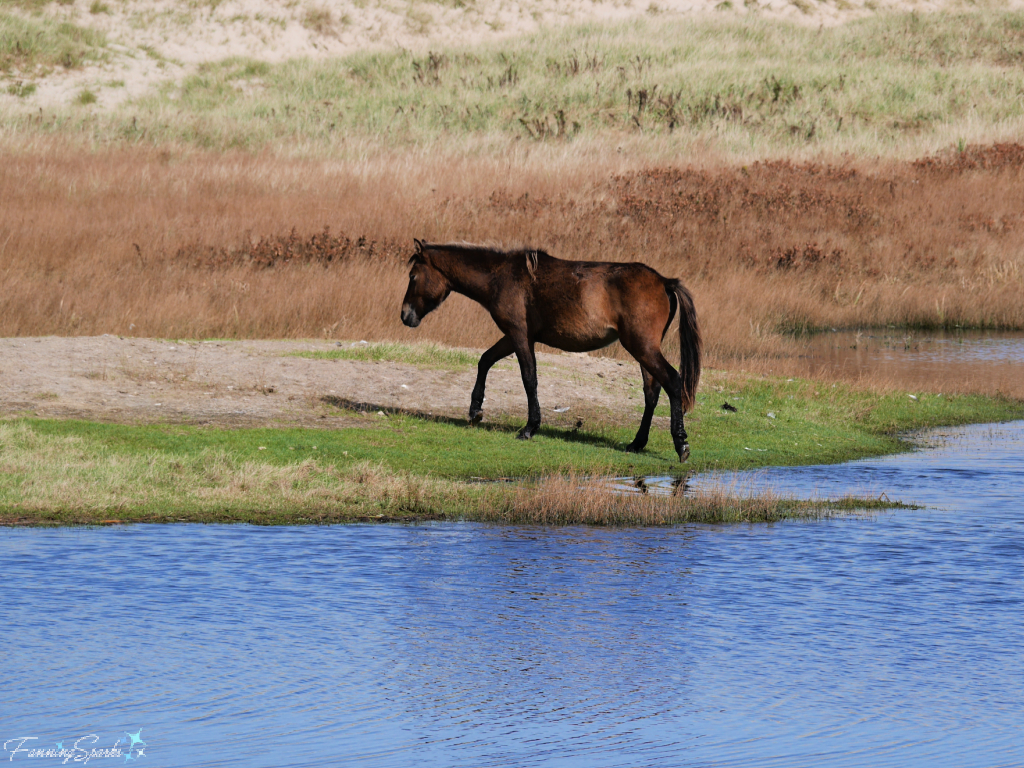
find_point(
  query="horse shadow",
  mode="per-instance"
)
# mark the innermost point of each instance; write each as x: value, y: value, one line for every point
x: 569, y: 435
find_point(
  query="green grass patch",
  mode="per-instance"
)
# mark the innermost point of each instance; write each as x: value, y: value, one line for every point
x: 811, y: 425
x: 84, y: 474
x: 21, y: 89
x: 400, y: 466
x: 427, y: 355
x: 29, y: 43
x: 86, y: 97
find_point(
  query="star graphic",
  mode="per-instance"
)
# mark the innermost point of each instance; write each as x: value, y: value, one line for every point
x: 136, y: 739
x: 60, y: 745
x: 142, y: 752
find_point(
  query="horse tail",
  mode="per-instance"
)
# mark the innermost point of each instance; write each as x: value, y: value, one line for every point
x: 690, y: 343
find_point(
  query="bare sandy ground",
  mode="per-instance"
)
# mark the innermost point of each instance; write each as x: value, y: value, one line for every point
x: 154, y: 41
x: 257, y: 383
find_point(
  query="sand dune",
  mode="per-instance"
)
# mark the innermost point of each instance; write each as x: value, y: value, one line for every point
x: 152, y: 41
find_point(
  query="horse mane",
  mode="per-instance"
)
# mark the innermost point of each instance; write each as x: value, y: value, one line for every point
x: 531, y: 255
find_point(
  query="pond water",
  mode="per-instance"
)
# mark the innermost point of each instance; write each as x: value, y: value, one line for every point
x: 992, y: 357
x: 890, y: 640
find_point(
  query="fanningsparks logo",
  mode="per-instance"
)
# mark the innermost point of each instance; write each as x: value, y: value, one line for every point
x: 128, y: 747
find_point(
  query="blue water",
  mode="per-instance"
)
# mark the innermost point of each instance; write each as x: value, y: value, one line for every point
x: 978, y: 468
x: 888, y: 640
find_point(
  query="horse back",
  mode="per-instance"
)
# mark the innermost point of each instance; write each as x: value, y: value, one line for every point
x: 592, y: 284
x: 580, y: 305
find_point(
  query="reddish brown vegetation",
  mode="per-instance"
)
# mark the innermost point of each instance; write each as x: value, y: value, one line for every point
x: 995, y: 157
x: 144, y: 242
x: 276, y: 251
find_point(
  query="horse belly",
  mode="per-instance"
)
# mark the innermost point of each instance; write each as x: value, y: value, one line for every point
x: 578, y: 338
x: 580, y: 316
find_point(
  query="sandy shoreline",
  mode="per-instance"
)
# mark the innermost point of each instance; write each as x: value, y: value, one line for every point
x: 257, y: 383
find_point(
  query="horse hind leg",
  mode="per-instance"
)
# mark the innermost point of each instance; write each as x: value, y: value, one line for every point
x: 650, y: 358
x: 652, y: 391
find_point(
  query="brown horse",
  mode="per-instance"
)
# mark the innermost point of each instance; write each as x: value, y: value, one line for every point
x: 576, y: 306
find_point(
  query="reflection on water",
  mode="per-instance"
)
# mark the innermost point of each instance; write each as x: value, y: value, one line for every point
x: 924, y: 357
x: 891, y: 641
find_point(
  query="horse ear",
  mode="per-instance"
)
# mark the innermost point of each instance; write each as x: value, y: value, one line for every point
x: 417, y: 256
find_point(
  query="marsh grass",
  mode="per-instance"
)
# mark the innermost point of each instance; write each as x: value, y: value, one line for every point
x: 49, y: 478
x: 65, y: 478
x: 571, y: 499
x: 180, y: 244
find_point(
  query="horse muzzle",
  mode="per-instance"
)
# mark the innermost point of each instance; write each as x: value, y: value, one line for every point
x: 409, y: 317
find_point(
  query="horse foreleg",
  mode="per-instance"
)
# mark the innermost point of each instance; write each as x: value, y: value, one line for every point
x: 652, y: 391
x: 502, y: 349
x: 528, y: 369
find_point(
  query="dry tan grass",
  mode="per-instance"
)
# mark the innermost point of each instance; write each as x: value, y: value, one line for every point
x: 575, y: 500
x: 162, y: 242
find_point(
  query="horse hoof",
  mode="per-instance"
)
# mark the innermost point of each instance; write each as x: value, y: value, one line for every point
x: 524, y: 435
x: 684, y: 454
x: 475, y: 419
x: 633, y: 448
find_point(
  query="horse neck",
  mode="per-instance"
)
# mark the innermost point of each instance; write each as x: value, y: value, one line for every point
x: 468, y: 272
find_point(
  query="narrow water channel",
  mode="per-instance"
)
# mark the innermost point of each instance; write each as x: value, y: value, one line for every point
x: 991, y: 359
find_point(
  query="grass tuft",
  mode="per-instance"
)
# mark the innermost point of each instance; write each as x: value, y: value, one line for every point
x: 319, y: 19
x: 21, y: 89
x: 427, y: 355
x: 26, y: 44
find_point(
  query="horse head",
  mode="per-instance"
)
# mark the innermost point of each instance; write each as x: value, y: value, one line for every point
x: 427, y: 287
